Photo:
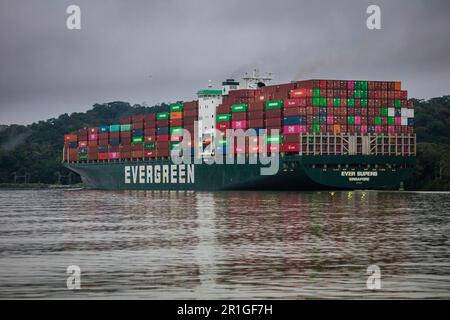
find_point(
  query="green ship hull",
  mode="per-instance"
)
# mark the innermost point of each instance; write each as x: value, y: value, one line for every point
x: 295, y: 173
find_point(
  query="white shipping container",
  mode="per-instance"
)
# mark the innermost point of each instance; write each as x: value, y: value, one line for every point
x: 404, y: 112
x: 404, y: 121
x: 391, y: 112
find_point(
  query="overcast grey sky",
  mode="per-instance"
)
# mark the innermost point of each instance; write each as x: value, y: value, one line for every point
x: 162, y: 51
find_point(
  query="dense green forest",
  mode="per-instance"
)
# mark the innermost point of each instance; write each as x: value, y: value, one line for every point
x: 35, y: 150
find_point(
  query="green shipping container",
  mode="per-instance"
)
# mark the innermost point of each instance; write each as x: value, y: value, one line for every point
x: 125, y: 127
x: 316, y: 128
x: 397, y: 103
x: 351, y: 120
x: 364, y: 94
x: 316, y: 119
x: 114, y: 128
x: 364, y: 102
x: 323, y: 102
x: 316, y: 102
x: 150, y: 146
x: 316, y: 93
x: 239, y: 107
x: 378, y: 120
x: 350, y: 102
x: 162, y: 116
x: 82, y: 157
x: 273, y: 139
x: 224, y: 117
x: 275, y: 104
x: 337, y: 102
x: 176, y: 131
x: 176, y: 107
x: 137, y: 140
x: 391, y: 121
x: 357, y: 94
x: 384, y: 112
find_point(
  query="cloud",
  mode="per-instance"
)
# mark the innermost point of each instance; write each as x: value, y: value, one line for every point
x: 47, y: 70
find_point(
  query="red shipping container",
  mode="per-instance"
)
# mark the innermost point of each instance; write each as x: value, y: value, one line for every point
x: 190, y: 113
x: 149, y: 131
x: 162, y: 123
x: 103, y: 136
x: 223, y: 108
x: 256, y: 123
x: 83, y: 144
x: 273, y: 113
x: 149, y: 153
x: 103, y: 142
x: 151, y: 117
x: 163, y: 137
x: 137, y: 147
x: 301, y: 93
x: 290, y: 147
x: 92, y: 143
x: 125, y: 120
x: 125, y: 148
x: 103, y: 156
x: 93, y: 130
x: 257, y: 114
x: 125, y: 155
x: 162, y: 145
x: 125, y: 134
x: 176, y: 122
x: 125, y: 141
x: 255, y: 106
x: 150, y: 124
x: 273, y: 122
x: 294, y: 111
x: 163, y: 152
x: 238, y: 116
x: 137, y: 118
x: 223, y: 125
x: 138, y: 125
x: 291, y: 138
x: 113, y: 135
x: 190, y: 105
x: 137, y: 154
x: 299, y: 102
x: 114, y: 149
x: 150, y: 138
x: 92, y: 156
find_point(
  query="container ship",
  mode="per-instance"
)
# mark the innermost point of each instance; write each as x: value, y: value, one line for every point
x: 304, y: 135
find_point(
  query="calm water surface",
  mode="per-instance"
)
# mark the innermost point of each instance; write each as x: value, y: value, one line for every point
x: 170, y: 245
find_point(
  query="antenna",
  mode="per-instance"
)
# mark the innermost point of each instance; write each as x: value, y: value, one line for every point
x: 251, y: 81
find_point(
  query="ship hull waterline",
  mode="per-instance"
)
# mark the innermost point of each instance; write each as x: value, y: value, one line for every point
x: 295, y: 173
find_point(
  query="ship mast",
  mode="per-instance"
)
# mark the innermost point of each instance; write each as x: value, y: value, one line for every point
x: 254, y: 80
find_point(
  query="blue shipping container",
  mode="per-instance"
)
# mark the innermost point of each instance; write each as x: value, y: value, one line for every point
x: 162, y: 131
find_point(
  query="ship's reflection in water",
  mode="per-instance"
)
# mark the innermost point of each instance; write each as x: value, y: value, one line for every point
x: 159, y: 244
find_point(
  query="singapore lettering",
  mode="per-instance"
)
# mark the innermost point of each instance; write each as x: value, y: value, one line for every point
x: 149, y: 174
x: 359, y: 176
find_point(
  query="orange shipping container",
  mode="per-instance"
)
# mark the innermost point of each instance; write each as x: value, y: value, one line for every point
x: 176, y: 115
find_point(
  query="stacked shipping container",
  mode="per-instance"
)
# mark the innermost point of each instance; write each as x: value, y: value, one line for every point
x: 311, y: 106
x: 137, y: 137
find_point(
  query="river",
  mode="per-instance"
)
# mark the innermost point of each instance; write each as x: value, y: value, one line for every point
x: 221, y: 245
